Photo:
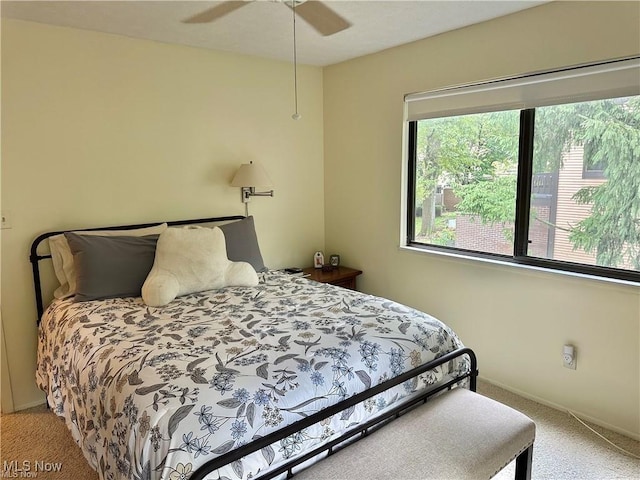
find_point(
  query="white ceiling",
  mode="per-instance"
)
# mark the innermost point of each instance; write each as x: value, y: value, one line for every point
x: 265, y: 28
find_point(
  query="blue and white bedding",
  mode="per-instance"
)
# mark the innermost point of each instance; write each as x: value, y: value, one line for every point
x: 154, y: 393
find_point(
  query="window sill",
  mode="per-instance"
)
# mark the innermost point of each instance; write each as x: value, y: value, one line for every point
x: 514, y: 264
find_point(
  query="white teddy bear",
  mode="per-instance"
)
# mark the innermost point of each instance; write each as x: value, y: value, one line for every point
x: 190, y: 260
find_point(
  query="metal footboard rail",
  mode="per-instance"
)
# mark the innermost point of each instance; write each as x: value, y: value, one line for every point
x: 274, y: 437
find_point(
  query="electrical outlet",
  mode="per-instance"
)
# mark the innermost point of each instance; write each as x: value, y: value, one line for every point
x: 569, y: 357
x: 6, y: 220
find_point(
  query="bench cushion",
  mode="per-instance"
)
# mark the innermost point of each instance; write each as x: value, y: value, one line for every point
x: 458, y: 435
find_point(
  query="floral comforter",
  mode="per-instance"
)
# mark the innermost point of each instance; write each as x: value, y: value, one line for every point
x: 153, y: 393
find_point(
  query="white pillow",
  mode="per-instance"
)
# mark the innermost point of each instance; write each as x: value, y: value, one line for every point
x: 192, y: 260
x: 62, y: 257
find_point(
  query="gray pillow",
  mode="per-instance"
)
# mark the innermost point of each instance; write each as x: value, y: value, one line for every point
x: 108, y: 267
x: 242, y: 243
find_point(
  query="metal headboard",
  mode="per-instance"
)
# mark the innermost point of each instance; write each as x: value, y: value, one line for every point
x: 35, y: 258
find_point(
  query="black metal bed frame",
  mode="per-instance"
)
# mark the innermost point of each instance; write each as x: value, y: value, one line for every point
x: 35, y: 258
x: 354, y: 434
x: 360, y: 431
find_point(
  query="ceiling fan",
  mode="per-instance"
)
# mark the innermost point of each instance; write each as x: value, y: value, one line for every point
x: 324, y: 20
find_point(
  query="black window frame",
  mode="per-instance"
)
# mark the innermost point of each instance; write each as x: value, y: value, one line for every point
x: 521, y: 227
x: 592, y: 172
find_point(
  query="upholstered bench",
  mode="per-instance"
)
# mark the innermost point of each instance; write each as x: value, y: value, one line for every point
x: 457, y: 435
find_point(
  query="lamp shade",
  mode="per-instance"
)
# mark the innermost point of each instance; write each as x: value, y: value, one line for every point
x: 251, y: 175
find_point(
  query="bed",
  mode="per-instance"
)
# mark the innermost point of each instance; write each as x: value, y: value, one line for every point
x: 238, y: 382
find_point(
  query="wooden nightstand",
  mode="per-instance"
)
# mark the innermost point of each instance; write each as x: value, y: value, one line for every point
x: 340, y: 276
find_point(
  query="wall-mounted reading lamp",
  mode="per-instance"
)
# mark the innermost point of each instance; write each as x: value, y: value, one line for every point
x: 248, y: 177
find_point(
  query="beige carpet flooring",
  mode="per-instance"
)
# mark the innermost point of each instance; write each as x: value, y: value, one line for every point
x: 564, y: 449
x: 38, y: 435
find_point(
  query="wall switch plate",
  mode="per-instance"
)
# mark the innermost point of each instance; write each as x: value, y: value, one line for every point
x: 6, y: 220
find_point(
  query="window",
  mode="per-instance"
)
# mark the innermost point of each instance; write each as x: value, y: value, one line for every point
x: 592, y: 168
x: 542, y: 170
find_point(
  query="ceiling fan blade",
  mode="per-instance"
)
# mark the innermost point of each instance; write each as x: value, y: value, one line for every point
x: 215, y: 12
x: 320, y: 17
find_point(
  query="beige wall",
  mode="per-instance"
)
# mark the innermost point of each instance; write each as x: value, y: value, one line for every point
x: 100, y: 130
x: 517, y: 320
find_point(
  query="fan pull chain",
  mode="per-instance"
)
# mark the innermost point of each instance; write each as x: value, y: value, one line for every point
x: 295, y: 116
